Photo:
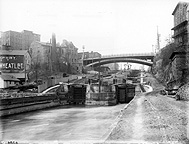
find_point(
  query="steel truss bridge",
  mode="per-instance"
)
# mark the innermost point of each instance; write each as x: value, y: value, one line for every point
x: 140, y: 58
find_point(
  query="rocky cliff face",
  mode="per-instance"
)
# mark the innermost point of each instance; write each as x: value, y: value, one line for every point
x: 172, y: 73
x: 162, y: 67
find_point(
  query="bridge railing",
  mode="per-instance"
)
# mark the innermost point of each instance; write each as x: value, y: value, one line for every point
x: 131, y: 54
x: 135, y: 60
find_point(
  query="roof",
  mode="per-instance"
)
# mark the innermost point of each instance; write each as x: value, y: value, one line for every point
x: 13, y: 52
x: 182, y: 24
x: 9, y: 78
x: 179, y: 51
x: 50, y: 44
x: 178, y: 6
x: 45, y: 43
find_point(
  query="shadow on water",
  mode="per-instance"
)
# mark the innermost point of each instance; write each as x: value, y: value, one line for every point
x: 62, y: 122
x: 38, y: 112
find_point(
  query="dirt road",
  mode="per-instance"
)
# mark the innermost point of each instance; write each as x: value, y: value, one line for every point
x: 151, y: 117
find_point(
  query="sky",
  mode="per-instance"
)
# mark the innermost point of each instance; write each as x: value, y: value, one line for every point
x: 104, y: 26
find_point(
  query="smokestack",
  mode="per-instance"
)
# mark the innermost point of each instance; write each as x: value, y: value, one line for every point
x: 53, y: 54
x: 53, y: 41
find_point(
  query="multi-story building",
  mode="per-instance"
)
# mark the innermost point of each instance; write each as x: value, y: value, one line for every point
x: 181, y: 15
x: 59, y: 58
x: 40, y: 52
x: 11, y: 40
x: 27, y: 38
x: 71, y: 56
x: 181, y: 27
x: 87, y: 55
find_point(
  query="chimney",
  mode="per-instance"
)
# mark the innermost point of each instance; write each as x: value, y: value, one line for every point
x: 53, y: 41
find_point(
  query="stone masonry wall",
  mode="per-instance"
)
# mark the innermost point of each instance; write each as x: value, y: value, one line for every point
x: 178, y: 65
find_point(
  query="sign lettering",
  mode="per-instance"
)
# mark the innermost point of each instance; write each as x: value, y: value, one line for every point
x: 12, y: 62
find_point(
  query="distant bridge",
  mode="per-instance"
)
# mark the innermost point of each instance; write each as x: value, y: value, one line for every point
x: 140, y: 58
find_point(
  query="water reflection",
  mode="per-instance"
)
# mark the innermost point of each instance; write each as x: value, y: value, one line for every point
x: 70, y: 123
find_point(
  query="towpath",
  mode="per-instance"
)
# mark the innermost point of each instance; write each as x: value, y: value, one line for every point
x: 152, y: 118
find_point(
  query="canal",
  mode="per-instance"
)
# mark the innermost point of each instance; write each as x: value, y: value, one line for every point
x: 61, y: 123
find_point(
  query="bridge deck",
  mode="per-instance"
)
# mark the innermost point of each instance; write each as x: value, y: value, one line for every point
x: 126, y: 55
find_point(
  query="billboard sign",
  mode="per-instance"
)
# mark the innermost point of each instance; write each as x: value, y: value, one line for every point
x: 12, y: 63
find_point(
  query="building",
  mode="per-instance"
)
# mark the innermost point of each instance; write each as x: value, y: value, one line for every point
x: 179, y: 57
x: 27, y: 38
x: 55, y: 58
x: 15, y: 63
x: 12, y: 40
x: 94, y: 55
x: 87, y: 55
x: 181, y: 15
x: 40, y: 52
x: 71, y: 57
x: 8, y: 80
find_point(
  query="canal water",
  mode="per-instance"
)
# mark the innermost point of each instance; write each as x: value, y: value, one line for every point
x: 61, y: 123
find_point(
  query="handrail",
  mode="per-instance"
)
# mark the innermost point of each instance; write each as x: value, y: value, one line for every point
x: 130, y: 54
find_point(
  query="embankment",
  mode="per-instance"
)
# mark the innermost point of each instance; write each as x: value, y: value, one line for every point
x: 17, y: 105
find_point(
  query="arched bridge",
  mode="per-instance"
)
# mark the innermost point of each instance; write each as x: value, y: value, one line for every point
x: 140, y: 58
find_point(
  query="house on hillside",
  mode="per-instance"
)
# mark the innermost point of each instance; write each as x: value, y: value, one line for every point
x: 58, y: 58
x: 179, y: 57
x: 8, y: 80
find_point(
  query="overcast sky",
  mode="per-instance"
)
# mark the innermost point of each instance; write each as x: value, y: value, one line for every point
x: 105, y: 26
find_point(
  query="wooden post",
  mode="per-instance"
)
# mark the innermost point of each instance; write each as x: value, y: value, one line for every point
x: 99, y: 77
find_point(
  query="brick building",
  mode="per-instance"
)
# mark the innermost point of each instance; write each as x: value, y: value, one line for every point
x: 64, y: 57
x: 12, y: 40
x: 71, y: 55
x: 179, y: 57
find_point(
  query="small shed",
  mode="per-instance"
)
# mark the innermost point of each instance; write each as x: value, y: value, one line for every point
x: 8, y: 80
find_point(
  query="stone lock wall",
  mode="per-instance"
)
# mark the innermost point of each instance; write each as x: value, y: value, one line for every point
x: 187, y: 62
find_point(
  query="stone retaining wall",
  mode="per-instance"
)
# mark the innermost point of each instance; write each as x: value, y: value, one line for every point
x: 183, y: 92
x: 18, y: 110
x: 25, y: 104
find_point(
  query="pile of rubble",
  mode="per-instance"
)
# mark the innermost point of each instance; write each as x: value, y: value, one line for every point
x: 183, y: 92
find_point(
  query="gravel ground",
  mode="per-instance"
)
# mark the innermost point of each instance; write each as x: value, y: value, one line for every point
x: 153, y: 118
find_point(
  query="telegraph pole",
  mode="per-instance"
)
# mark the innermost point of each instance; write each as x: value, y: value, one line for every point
x: 82, y: 59
x: 99, y: 77
x: 158, y: 40
x: 50, y: 60
x: 25, y: 67
x: 92, y: 60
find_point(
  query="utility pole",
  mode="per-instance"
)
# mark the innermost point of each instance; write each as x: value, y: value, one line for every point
x: 37, y: 68
x: 99, y: 77
x: 152, y: 48
x: 92, y: 59
x: 142, y: 75
x: 158, y: 40
x: 83, y: 58
x: 25, y: 67
x: 50, y: 60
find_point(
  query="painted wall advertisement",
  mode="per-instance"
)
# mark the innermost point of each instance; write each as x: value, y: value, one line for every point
x: 11, y: 63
